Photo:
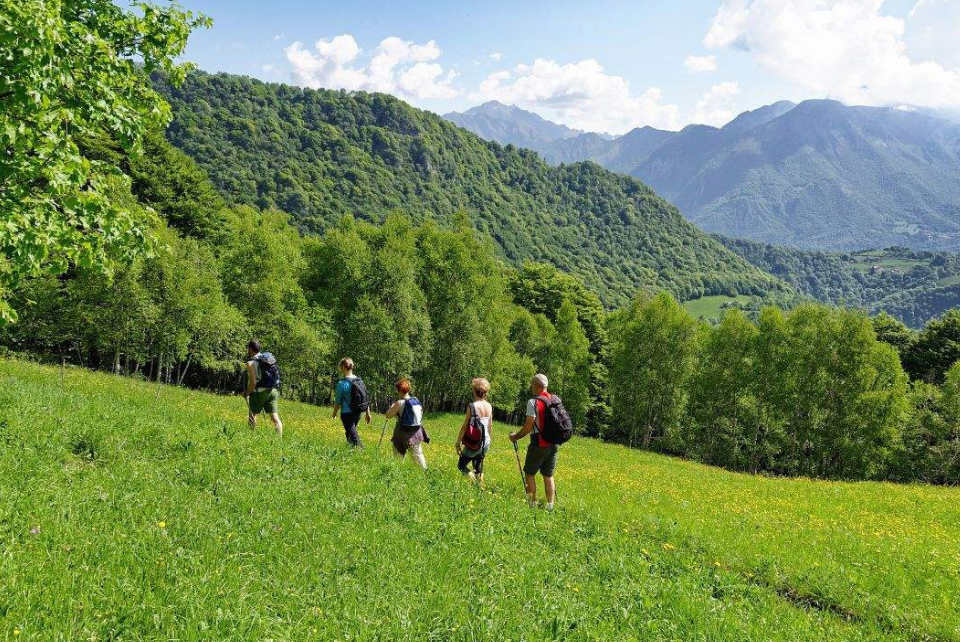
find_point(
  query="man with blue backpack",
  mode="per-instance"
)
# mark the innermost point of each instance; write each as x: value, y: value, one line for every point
x: 263, y: 383
x: 352, y: 401
x: 549, y: 426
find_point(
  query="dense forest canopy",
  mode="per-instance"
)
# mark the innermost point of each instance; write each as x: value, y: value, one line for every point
x: 914, y: 286
x: 70, y: 69
x: 319, y: 154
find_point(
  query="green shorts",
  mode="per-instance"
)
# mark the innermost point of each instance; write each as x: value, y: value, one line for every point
x: 264, y: 401
x: 541, y: 460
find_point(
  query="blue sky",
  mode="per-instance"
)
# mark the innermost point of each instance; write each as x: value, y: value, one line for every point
x: 604, y: 65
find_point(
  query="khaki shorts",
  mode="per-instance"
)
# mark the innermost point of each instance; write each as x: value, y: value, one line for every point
x: 541, y: 459
x: 264, y: 401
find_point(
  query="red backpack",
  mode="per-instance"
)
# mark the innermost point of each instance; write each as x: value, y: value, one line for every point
x: 475, y: 436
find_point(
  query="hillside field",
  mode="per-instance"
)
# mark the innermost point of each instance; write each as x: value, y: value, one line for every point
x: 132, y: 511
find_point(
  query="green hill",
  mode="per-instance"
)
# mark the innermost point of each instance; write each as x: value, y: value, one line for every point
x: 136, y: 511
x: 913, y: 286
x: 319, y: 155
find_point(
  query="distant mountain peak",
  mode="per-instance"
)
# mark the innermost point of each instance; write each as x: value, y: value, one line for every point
x: 509, y: 124
x: 759, y: 116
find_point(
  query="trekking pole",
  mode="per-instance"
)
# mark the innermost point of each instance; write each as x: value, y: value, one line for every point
x: 383, y: 431
x: 523, y: 480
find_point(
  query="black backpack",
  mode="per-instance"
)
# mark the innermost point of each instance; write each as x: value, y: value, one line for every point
x: 557, y: 426
x: 269, y: 371
x: 359, y: 399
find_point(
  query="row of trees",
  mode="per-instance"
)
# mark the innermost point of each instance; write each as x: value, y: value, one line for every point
x: 808, y: 392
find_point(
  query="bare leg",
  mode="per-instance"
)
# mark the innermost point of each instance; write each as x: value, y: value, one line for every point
x: 252, y: 420
x: 531, y: 489
x: 275, y: 417
x: 480, y: 480
x: 550, y: 489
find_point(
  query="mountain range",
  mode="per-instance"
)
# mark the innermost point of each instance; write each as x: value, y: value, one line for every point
x: 817, y: 175
x: 321, y: 155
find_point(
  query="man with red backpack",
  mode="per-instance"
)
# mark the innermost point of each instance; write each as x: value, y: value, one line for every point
x: 549, y: 426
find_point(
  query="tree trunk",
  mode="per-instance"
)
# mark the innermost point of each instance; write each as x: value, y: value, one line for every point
x: 183, y: 373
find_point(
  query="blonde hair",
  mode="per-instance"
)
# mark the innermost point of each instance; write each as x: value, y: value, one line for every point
x: 346, y: 363
x: 480, y: 387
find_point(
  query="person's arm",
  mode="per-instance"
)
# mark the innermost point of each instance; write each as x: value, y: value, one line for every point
x: 526, y: 430
x: 337, y: 400
x: 251, y: 380
x: 369, y: 416
x: 463, y: 429
x: 394, y: 410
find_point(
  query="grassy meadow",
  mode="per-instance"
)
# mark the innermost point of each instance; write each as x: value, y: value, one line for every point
x: 132, y: 511
x: 708, y: 307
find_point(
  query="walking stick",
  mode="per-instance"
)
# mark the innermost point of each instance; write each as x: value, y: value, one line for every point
x: 523, y: 479
x: 383, y: 431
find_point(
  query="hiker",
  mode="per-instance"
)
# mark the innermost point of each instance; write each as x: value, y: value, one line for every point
x: 473, y: 442
x: 351, y: 401
x: 548, y: 425
x: 263, y: 379
x: 409, y: 433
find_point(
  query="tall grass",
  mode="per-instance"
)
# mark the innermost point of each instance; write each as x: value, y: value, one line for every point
x: 131, y: 511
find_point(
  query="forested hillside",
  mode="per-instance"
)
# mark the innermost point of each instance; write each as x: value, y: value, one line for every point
x: 913, y: 286
x: 818, y: 175
x: 319, y: 155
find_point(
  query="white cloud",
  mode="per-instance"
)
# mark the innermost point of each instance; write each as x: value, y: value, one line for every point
x: 579, y: 95
x: 496, y: 56
x: 716, y: 107
x: 700, y: 64
x: 845, y: 49
x: 268, y: 68
x: 279, y: 36
x: 398, y: 67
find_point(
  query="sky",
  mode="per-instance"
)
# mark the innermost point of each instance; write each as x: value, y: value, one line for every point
x: 603, y: 65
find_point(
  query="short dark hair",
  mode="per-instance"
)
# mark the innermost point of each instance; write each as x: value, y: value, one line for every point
x: 255, y: 346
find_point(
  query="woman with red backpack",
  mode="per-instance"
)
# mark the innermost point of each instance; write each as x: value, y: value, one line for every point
x: 473, y: 442
x: 409, y: 434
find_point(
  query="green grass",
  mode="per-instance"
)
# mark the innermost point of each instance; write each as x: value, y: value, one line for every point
x: 302, y: 539
x: 949, y: 280
x: 711, y: 306
x: 883, y: 259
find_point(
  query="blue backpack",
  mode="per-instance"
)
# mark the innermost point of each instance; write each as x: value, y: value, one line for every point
x: 412, y: 414
x: 269, y: 371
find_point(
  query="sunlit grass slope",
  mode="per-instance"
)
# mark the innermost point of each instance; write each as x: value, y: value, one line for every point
x: 131, y: 511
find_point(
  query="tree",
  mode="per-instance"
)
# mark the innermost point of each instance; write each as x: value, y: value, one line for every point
x: 367, y: 277
x: 75, y: 68
x: 543, y: 289
x: 570, y: 372
x: 894, y: 332
x: 843, y: 394
x: 262, y: 265
x: 936, y: 349
x: 723, y: 404
x: 653, y: 345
